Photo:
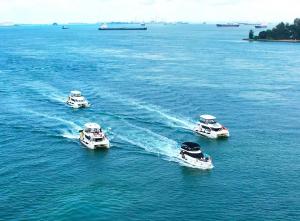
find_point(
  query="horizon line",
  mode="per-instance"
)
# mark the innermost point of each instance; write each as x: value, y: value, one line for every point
x: 137, y: 21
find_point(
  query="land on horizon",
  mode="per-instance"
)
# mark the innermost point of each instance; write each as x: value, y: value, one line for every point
x: 282, y: 32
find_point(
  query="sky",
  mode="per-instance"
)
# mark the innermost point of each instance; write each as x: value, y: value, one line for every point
x: 92, y: 11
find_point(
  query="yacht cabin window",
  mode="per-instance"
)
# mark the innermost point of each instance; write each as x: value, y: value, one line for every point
x: 195, y: 155
x: 205, y: 127
x: 98, y: 139
x: 92, y: 130
x: 205, y: 121
x: 211, y: 121
x: 76, y: 95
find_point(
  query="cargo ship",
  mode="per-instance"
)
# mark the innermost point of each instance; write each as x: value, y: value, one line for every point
x: 228, y: 25
x: 104, y: 27
x: 261, y: 26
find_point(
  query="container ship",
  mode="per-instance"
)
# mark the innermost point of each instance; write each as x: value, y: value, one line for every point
x: 104, y: 27
x: 228, y: 25
x: 261, y: 26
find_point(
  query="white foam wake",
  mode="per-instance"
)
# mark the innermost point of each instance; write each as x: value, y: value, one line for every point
x: 71, y: 130
x: 70, y: 135
x: 67, y: 122
x: 58, y: 97
x: 153, y: 143
x: 148, y: 140
x: 173, y: 120
x: 48, y: 91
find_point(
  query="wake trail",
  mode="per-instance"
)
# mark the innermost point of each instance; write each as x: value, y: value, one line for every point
x: 148, y: 140
x: 71, y: 130
x: 48, y: 91
x: 143, y: 138
x: 173, y: 120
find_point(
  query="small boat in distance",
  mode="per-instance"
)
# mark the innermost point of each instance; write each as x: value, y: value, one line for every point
x: 228, y: 25
x: 209, y: 127
x: 64, y: 27
x: 104, y: 27
x: 93, y: 137
x: 76, y: 100
x: 191, y: 154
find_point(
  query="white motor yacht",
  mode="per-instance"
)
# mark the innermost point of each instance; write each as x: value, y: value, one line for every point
x: 76, y: 100
x: 93, y: 137
x: 209, y: 127
x: 191, y: 154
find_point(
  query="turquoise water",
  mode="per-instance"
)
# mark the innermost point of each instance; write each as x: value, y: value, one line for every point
x: 147, y: 90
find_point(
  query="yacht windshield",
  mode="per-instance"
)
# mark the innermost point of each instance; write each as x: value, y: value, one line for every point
x: 205, y: 121
x: 93, y: 130
x: 78, y: 100
x: 76, y: 95
x: 195, y: 155
x: 216, y: 129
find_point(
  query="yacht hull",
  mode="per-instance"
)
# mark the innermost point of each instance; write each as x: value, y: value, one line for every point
x: 78, y: 105
x: 196, y: 163
x: 95, y: 145
x: 212, y: 134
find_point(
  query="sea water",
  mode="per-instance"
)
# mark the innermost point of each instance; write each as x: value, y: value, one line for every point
x: 147, y: 90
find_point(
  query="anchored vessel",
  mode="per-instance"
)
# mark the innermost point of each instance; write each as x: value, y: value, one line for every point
x: 228, y: 25
x: 76, y: 100
x: 261, y: 26
x: 209, y: 127
x: 104, y: 27
x: 191, y: 154
x: 93, y: 137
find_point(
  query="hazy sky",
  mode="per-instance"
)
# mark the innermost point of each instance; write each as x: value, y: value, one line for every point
x: 64, y: 11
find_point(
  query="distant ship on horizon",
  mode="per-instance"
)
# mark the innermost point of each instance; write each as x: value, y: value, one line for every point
x: 261, y: 26
x: 228, y: 25
x: 246, y: 23
x: 104, y: 27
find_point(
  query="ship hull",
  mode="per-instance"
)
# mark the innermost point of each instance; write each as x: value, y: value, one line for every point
x: 122, y: 29
x: 226, y: 25
x: 261, y: 26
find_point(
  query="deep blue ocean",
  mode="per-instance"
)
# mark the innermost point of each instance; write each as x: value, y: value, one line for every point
x: 147, y: 90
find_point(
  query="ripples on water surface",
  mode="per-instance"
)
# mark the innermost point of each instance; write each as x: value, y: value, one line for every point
x: 147, y: 90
